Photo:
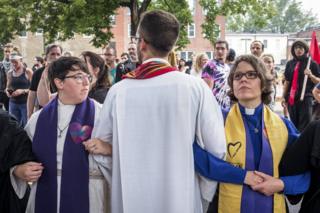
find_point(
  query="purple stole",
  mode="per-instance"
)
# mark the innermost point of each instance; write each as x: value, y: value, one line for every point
x: 251, y: 199
x: 74, y: 191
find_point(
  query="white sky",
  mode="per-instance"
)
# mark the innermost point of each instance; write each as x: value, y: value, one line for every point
x: 312, y: 4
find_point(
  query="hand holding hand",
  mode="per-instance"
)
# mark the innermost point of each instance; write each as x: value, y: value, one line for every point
x: 30, y: 171
x: 252, y: 179
x: 97, y: 146
x: 269, y: 186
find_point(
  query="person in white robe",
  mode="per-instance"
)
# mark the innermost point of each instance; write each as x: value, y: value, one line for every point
x: 151, y: 119
x: 73, y: 91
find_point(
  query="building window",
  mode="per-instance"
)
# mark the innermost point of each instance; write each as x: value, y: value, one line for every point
x: 39, y: 32
x: 128, y: 12
x: 265, y: 43
x: 186, y: 55
x: 113, y: 19
x: 23, y: 34
x: 129, y: 30
x: 209, y: 54
x: 278, y: 43
x: 191, y: 31
x: 191, y: 6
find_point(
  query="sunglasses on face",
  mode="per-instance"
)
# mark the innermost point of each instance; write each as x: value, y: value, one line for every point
x: 249, y: 75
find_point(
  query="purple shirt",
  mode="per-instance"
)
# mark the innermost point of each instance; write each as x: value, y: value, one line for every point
x: 218, y: 72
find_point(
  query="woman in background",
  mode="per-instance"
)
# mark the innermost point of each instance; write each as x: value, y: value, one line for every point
x: 201, y: 60
x: 98, y: 69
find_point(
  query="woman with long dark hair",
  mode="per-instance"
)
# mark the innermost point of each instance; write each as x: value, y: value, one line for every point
x: 99, y: 70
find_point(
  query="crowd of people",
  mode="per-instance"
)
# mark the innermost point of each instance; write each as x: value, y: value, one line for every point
x: 152, y: 132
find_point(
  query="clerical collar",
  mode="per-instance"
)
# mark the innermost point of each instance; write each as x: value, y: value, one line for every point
x: 248, y: 111
x: 156, y: 59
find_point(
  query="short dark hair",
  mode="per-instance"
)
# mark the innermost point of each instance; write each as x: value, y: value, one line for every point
x: 125, y: 54
x: 220, y: 41
x: 97, y: 62
x: 260, y: 68
x: 231, y: 55
x: 39, y: 59
x: 110, y: 48
x: 160, y: 29
x: 62, y: 66
x: 301, y: 43
x: 258, y: 41
x: 51, y: 46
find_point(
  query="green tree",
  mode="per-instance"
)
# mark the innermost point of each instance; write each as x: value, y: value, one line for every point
x: 264, y: 9
x: 288, y: 17
x: 61, y: 19
x: 12, y: 19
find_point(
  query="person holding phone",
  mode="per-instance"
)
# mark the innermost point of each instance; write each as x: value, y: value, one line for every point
x: 18, y: 84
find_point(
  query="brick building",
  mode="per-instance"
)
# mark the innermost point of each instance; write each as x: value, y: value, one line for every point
x: 31, y: 44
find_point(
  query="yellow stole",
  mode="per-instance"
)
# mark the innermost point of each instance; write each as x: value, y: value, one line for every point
x: 277, y: 134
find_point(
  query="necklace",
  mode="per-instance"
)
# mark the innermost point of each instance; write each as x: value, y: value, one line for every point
x: 252, y: 126
x: 61, y: 130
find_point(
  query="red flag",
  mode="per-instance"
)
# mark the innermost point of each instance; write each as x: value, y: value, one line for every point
x: 314, y: 48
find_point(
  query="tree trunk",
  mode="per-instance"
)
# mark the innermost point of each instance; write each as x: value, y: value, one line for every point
x: 136, y: 14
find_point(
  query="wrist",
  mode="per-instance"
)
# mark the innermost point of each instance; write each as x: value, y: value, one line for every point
x: 281, y: 185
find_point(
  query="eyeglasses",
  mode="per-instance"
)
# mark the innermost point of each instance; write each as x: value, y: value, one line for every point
x: 298, y: 47
x: 80, y: 78
x: 249, y: 75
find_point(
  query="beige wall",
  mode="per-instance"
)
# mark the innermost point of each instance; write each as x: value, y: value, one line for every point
x: 32, y: 46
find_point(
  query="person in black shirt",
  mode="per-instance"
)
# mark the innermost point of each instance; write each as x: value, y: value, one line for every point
x: 129, y: 65
x: 15, y: 149
x: 300, y: 111
x: 5, y: 66
x: 53, y: 52
x: 304, y: 156
x: 100, y: 72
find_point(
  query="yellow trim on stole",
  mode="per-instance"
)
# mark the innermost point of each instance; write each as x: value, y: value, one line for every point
x: 276, y: 130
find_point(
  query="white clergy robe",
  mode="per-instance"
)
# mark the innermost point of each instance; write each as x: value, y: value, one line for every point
x: 98, y: 188
x: 152, y: 124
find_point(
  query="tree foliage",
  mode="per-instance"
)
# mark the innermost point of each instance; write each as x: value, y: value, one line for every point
x: 288, y: 17
x: 235, y: 10
x: 62, y: 19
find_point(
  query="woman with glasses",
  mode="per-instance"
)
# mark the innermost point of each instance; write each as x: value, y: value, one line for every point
x: 69, y: 179
x: 256, y: 139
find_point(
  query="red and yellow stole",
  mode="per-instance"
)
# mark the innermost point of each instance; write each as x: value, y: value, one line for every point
x: 149, y: 70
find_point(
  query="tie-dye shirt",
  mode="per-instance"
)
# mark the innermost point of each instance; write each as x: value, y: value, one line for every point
x: 218, y: 72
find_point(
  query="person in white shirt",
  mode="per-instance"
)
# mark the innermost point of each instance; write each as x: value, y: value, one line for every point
x: 152, y: 118
x: 66, y: 178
